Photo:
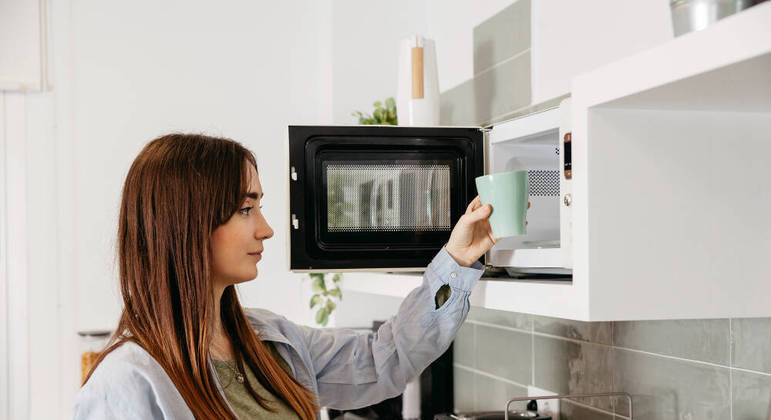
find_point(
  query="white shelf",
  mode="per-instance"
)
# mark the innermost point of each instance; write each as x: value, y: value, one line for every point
x: 725, y: 67
x: 522, y: 296
x: 670, y: 186
x: 385, y: 284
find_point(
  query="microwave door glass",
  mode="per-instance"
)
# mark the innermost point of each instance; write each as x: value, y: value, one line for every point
x: 387, y: 197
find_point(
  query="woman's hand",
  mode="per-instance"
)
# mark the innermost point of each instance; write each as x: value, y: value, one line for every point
x: 471, y: 237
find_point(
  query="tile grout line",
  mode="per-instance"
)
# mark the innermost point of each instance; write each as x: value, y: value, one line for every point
x: 474, y: 362
x: 489, y: 375
x: 487, y: 324
x: 613, y: 368
x: 755, y: 372
x: 730, y: 370
x: 488, y: 69
x: 502, y: 62
x: 532, y: 351
x: 666, y: 356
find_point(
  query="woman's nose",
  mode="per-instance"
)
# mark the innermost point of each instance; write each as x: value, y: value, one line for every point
x: 264, y: 231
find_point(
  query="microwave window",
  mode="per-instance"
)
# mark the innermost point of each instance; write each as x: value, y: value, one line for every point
x: 388, y: 198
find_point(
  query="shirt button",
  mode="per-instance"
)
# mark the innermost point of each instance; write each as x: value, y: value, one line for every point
x: 453, y: 275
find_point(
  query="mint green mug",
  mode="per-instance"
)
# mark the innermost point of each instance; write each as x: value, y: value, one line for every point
x: 508, y: 194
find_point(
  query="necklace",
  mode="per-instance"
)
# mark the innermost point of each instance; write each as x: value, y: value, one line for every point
x: 216, y: 351
x: 239, y: 376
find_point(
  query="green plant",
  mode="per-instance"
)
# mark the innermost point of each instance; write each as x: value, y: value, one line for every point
x: 383, y: 114
x: 324, y: 297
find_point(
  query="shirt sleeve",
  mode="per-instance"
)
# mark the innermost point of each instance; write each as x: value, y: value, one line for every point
x: 354, y: 369
x: 120, y: 391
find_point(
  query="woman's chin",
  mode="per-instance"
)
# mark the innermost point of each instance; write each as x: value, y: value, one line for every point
x: 246, y: 277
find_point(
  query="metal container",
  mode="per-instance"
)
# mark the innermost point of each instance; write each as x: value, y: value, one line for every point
x: 695, y: 15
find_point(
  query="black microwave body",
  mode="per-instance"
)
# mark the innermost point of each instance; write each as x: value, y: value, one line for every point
x: 377, y: 197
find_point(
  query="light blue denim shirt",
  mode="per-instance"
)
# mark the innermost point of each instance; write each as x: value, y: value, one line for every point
x: 346, y: 369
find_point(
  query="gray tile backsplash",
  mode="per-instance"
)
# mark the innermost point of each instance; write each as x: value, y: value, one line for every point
x: 706, y: 340
x: 463, y: 384
x: 691, y: 378
x: 504, y: 353
x: 503, y: 89
x: 679, y: 369
x: 502, y: 36
x: 596, y: 332
x: 456, y: 106
x: 751, y: 396
x: 502, y: 71
x: 571, y: 367
x: 502, y: 318
x: 752, y: 343
x: 491, y: 394
x: 463, y: 349
x: 570, y: 411
x: 666, y: 388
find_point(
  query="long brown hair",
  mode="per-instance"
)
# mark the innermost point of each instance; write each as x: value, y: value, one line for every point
x: 179, y: 189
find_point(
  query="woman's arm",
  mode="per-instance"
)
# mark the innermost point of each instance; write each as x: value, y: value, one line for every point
x: 358, y: 369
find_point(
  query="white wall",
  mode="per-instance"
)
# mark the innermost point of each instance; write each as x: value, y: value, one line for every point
x: 21, y: 46
x: 123, y: 74
x: 574, y: 37
x: 365, y: 51
x: 236, y: 69
x: 365, y: 45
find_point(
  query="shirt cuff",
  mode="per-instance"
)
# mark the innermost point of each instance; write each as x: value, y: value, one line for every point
x: 443, y: 269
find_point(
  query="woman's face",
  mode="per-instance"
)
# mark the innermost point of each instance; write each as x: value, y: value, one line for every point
x: 236, y: 245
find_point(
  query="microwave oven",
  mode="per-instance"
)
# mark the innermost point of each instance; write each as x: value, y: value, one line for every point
x: 385, y: 198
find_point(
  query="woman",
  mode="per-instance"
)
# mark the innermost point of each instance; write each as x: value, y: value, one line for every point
x: 190, y: 228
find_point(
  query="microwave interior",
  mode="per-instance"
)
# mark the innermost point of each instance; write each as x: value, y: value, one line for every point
x: 538, y: 253
x: 378, y: 197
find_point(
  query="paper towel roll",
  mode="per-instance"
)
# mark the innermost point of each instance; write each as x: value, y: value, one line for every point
x: 417, y: 98
x: 411, y: 400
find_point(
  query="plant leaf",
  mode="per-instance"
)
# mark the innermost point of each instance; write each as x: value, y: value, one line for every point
x: 336, y: 278
x: 316, y: 300
x: 336, y: 293
x: 331, y: 306
x: 322, y: 316
x: 318, y: 284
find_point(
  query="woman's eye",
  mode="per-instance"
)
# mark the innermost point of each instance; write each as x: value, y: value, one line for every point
x: 245, y: 210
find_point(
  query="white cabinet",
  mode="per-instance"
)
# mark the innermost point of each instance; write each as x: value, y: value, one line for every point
x: 23, y: 45
x: 670, y: 198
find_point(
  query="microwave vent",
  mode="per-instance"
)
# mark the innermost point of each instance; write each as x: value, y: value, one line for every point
x: 544, y: 183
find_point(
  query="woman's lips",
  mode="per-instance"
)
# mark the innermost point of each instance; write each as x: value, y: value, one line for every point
x: 256, y: 255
